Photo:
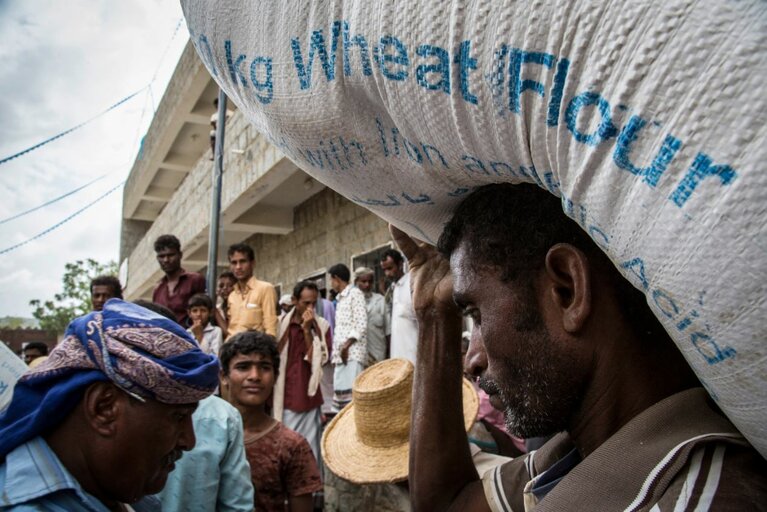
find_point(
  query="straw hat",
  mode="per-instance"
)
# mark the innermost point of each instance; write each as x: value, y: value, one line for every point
x: 368, y: 441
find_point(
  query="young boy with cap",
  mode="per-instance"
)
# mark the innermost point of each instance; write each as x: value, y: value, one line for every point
x: 282, y: 465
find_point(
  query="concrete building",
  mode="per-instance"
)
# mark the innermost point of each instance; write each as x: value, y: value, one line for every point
x: 297, y: 227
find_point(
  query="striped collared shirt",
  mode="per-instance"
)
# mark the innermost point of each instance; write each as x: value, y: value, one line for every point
x: 33, y: 478
x: 680, y: 454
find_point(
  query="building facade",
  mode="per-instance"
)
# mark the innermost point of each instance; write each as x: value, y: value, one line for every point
x: 297, y: 226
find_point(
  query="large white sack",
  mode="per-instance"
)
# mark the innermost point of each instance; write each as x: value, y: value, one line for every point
x: 648, y: 119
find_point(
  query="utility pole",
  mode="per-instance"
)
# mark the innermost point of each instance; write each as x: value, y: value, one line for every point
x: 215, y: 202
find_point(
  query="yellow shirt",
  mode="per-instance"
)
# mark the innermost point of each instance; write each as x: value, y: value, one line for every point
x: 252, y: 308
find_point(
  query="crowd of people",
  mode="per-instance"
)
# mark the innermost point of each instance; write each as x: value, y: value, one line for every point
x: 576, y: 397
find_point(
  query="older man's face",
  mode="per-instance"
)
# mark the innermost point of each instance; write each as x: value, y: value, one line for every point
x: 365, y: 283
x: 534, y: 378
x: 151, y: 437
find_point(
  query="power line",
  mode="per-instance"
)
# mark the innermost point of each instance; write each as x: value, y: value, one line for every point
x: 26, y: 212
x: 165, y: 51
x: 65, y: 132
x: 63, y: 221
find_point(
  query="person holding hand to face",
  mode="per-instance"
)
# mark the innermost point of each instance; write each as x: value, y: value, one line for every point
x: 304, y: 342
x: 207, y: 335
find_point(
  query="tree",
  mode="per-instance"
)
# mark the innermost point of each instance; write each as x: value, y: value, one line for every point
x: 75, y: 299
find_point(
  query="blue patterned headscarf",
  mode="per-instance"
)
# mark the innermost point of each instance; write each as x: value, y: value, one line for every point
x: 141, y: 352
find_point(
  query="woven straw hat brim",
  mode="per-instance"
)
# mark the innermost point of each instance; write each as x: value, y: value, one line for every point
x: 348, y: 457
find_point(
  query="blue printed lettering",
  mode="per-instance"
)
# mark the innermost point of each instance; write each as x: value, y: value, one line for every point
x: 517, y: 85
x: 466, y: 63
x: 596, y: 233
x: 459, y: 192
x: 415, y: 155
x: 266, y: 84
x: 440, y: 68
x: 687, y: 321
x: 557, y: 88
x: 314, y: 160
x: 701, y: 168
x: 529, y: 172
x: 316, y: 48
x: 388, y: 62
x: 552, y: 185
x: 234, y: 65
x: 502, y: 165
x: 362, y: 44
x: 203, y: 48
x: 495, y: 78
x: 606, y: 128
x: 427, y: 150
x: 709, y: 349
x: 636, y: 267
x: 383, y: 137
x: 650, y: 174
x: 665, y: 303
x: 334, y: 151
x: 474, y: 165
x: 420, y: 199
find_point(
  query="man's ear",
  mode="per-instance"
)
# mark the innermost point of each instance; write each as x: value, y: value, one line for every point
x: 570, y: 285
x: 103, y: 405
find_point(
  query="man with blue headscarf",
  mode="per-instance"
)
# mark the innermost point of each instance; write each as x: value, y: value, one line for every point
x: 100, y: 424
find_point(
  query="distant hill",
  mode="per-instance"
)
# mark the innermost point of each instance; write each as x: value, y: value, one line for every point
x: 17, y: 322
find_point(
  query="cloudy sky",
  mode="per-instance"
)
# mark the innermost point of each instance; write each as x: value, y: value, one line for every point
x: 62, y: 63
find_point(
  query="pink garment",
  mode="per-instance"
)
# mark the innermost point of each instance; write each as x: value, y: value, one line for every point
x: 495, y: 417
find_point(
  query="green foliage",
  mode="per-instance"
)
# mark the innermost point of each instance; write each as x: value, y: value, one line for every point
x: 75, y: 299
x: 17, y: 322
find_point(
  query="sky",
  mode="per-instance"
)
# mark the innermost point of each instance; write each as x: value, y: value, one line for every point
x: 62, y: 63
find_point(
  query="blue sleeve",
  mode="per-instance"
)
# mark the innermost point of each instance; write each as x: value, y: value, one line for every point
x: 235, y: 492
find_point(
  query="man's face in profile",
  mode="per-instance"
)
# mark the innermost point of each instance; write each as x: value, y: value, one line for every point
x: 530, y: 376
x: 150, y: 438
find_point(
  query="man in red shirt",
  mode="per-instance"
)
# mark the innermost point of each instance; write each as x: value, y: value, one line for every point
x: 175, y: 288
x: 304, y: 345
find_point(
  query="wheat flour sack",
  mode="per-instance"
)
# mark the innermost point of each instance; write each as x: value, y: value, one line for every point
x: 646, y: 118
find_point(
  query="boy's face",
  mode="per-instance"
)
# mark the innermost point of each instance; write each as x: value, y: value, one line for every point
x: 250, y: 379
x: 224, y: 287
x: 199, y: 314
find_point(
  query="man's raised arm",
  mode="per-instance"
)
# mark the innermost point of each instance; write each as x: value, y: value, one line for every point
x: 442, y: 475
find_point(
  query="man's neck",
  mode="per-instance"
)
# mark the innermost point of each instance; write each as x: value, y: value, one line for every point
x: 173, y: 276
x: 636, y: 380
x: 254, y: 419
x: 342, y: 287
x: 67, y: 446
x: 243, y: 283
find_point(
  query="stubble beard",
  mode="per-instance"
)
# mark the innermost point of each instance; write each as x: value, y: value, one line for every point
x: 538, y: 389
